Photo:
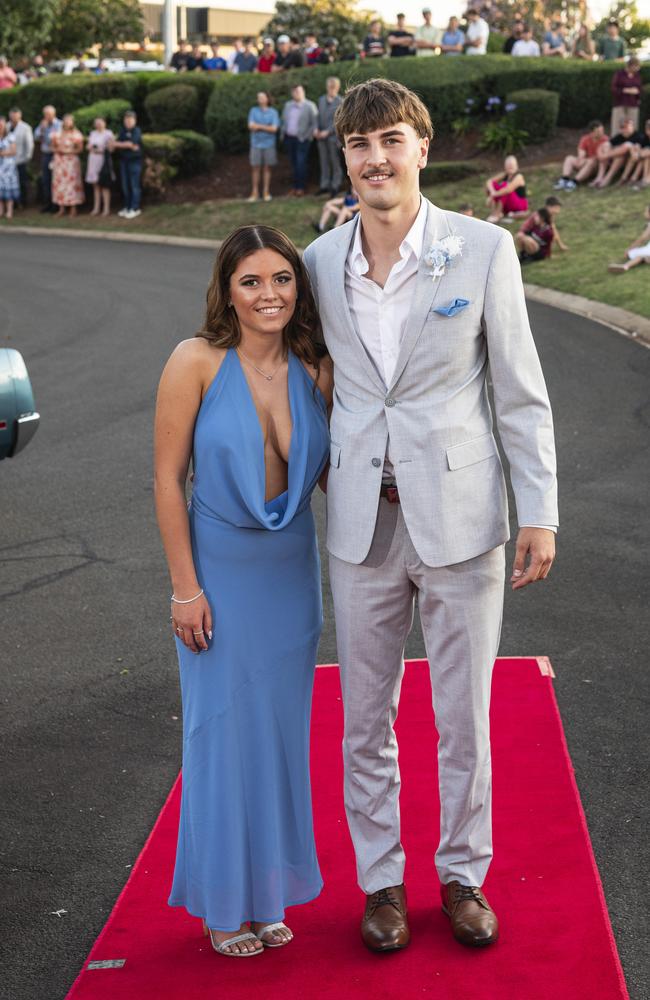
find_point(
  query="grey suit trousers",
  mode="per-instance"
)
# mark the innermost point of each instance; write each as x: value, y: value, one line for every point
x: 460, y: 609
x: 331, y: 165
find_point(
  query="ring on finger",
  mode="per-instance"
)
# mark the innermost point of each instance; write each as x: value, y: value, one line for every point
x: 200, y: 632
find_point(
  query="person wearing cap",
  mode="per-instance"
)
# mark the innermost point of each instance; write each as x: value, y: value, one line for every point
x: 267, y: 56
x: 400, y: 41
x: 288, y: 55
x: 426, y: 36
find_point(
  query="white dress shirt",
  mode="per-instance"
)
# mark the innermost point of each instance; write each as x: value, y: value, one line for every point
x: 380, y: 314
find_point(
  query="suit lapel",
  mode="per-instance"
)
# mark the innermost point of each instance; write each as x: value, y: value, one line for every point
x: 426, y: 291
x: 341, y: 305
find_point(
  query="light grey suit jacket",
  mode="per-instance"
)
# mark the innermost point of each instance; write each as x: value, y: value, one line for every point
x: 436, y: 409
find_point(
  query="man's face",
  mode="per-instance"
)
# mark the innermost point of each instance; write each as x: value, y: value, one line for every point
x: 627, y: 128
x: 598, y: 132
x: 14, y: 117
x: 554, y: 210
x: 298, y: 94
x: 427, y: 17
x: 384, y: 166
x: 311, y: 42
x: 453, y: 23
x: 284, y: 47
x: 375, y: 27
x: 400, y: 21
x: 612, y: 30
x: 48, y: 114
x: 333, y: 87
x: 129, y: 122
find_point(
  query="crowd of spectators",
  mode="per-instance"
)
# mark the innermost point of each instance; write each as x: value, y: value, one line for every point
x: 290, y: 52
x: 61, y: 182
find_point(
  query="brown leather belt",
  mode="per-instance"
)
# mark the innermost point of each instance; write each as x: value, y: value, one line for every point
x: 390, y: 493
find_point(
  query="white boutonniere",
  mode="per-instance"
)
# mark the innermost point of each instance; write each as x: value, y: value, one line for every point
x: 441, y: 254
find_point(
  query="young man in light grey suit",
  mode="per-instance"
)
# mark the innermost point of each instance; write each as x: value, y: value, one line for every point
x: 416, y: 302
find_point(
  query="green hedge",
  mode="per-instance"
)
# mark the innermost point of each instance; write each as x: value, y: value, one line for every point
x: 536, y: 111
x: 197, y: 151
x: 69, y: 93
x: 444, y: 87
x: 172, y: 107
x: 112, y: 111
x: 184, y: 151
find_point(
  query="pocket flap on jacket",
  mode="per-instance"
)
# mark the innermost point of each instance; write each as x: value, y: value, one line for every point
x: 472, y: 451
x: 335, y: 455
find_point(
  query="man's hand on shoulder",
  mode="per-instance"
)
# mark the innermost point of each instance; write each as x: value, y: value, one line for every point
x: 534, y: 556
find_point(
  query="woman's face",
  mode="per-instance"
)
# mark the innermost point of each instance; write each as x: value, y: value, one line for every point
x: 68, y: 122
x: 263, y: 293
x: 100, y: 124
x: 510, y: 165
x: 262, y: 100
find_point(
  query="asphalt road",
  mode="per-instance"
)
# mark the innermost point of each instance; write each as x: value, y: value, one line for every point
x: 89, y: 698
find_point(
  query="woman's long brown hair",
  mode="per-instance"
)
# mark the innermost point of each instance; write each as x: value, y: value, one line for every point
x: 302, y: 335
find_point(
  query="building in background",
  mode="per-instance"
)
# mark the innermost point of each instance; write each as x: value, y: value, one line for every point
x: 203, y: 20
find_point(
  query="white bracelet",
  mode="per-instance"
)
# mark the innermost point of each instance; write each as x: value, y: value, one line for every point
x: 176, y: 601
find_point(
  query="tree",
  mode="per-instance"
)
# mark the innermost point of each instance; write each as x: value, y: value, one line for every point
x: 326, y: 18
x: 25, y: 26
x: 80, y: 24
x: 633, y: 28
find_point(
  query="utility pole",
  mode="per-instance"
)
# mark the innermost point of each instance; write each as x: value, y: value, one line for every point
x: 169, y: 30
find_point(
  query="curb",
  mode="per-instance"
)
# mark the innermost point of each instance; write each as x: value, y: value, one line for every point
x: 114, y: 236
x: 627, y: 323
x: 621, y: 320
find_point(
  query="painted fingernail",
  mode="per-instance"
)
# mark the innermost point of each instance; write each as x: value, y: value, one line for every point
x: 209, y: 635
x: 517, y: 572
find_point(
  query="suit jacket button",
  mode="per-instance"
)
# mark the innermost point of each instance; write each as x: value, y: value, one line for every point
x: 389, y: 401
x: 376, y: 462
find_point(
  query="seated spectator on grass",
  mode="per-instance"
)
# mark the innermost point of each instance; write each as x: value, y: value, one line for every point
x: 267, y: 56
x: 400, y: 41
x: 374, y: 45
x: 214, y: 63
x: 639, y: 175
x: 180, y: 57
x: 583, y: 44
x: 263, y: 125
x: 299, y: 121
x: 611, y: 46
x: 514, y: 36
x: 9, y: 182
x: 426, y: 36
x: 626, y: 94
x: 535, y: 238
x: 452, y: 42
x: 466, y: 209
x: 288, y: 55
x: 526, y: 45
x: 7, y: 76
x: 477, y: 34
x: 585, y: 161
x: 613, y: 155
x: 341, y: 209
x: 555, y: 42
x: 312, y: 50
x: 129, y: 143
x: 638, y: 252
x: 23, y: 136
x: 246, y: 60
x: 195, y: 59
x: 506, y: 193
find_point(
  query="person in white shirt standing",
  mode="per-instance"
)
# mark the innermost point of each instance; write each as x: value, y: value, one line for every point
x: 415, y: 302
x: 526, y: 45
x: 426, y: 36
x: 477, y: 34
x: 23, y: 136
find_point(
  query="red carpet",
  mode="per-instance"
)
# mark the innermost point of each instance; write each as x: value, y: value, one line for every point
x: 556, y: 941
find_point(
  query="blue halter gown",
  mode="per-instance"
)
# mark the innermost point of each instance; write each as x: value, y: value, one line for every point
x: 245, y: 841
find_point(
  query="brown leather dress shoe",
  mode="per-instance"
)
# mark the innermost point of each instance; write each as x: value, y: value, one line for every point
x: 472, y: 920
x: 384, y: 926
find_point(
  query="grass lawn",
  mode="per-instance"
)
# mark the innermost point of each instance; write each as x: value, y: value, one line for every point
x: 595, y: 225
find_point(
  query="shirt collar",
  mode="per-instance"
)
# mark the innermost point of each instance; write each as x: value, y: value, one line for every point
x: 411, y: 244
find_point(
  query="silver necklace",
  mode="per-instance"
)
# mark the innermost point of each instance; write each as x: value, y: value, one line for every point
x: 269, y: 378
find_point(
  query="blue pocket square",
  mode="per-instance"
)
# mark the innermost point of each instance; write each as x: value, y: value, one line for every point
x: 454, y: 307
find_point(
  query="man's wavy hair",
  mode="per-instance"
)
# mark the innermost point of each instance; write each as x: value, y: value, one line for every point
x: 302, y: 334
x: 378, y: 104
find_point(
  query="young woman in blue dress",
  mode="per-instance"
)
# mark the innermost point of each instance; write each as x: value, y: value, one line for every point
x: 247, y: 399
